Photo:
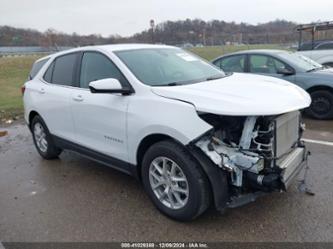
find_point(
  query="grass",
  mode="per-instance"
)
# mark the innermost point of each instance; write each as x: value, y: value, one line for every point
x: 13, y: 73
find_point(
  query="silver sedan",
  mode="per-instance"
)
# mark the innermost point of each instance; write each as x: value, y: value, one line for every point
x: 316, y: 79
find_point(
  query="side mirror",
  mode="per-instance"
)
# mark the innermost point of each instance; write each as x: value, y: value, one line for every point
x: 285, y: 71
x: 108, y: 85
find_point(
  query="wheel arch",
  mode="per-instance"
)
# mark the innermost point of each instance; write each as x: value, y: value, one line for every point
x: 145, y: 144
x: 214, y: 174
x: 319, y: 87
x: 31, y: 116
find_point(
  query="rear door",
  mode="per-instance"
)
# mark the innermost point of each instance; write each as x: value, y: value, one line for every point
x: 54, y: 94
x: 100, y: 118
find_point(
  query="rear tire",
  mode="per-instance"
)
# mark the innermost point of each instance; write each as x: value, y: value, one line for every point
x: 322, y: 105
x: 43, y: 140
x: 163, y: 164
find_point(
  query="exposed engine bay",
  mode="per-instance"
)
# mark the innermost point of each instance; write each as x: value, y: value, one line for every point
x: 260, y: 153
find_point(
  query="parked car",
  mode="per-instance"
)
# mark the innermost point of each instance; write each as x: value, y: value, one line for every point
x: 320, y: 51
x: 192, y: 134
x: 300, y: 70
x: 316, y: 45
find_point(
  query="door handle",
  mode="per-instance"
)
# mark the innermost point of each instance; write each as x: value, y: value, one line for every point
x: 78, y: 98
x: 41, y: 91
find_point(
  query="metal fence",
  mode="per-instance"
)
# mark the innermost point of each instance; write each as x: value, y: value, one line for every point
x: 15, y: 51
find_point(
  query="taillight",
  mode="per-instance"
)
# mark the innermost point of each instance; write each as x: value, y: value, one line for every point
x: 22, y: 89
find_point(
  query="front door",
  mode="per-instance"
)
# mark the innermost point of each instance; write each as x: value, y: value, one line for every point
x: 100, y: 118
x: 268, y: 65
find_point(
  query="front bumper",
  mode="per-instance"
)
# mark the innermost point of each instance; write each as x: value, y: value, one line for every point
x: 291, y: 165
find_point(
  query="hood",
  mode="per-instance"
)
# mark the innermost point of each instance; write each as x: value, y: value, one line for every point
x: 323, y: 73
x: 318, y: 77
x: 240, y: 95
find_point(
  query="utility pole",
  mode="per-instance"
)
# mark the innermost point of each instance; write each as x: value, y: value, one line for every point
x: 152, y: 26
x: 204, y: 36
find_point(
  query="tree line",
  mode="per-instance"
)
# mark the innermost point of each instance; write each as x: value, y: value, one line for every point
x: 189, y: 31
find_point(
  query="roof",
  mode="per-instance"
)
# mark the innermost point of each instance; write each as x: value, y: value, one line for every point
x: 110, y: 48
x: 256, y: 51
x: 315, y: 26
x: 118, y: 47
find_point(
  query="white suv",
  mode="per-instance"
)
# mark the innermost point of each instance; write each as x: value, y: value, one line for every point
x: 192, y: 134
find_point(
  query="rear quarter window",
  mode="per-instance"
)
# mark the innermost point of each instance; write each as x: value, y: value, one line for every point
x: 36, y: 67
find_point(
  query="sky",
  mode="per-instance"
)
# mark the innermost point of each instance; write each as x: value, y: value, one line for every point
x: 126, y: 17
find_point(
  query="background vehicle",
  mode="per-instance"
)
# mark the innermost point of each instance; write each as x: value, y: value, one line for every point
x: 316, y: 45
x: 320, y: 51
x: 300, y: 70
x: 220, y: 143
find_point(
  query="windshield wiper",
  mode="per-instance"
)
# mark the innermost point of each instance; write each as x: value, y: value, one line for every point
x: 179, y: 83
x: 315, y: 69
x: 185, y: 82
x: 170, y: 84
x: 215, y: 77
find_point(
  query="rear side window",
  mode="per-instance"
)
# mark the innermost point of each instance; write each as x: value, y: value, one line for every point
x: 61, y: 70
x: 305, y: 46
x: 36, y: 67
x: 234, y: 63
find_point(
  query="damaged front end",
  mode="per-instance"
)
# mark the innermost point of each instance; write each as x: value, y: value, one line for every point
x: 259, y: 153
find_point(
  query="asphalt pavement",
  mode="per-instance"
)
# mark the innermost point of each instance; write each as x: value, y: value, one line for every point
x: 75, y: 199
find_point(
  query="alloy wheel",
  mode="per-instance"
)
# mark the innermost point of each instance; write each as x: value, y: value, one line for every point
x: 40, y: 137
x: 168, y: 182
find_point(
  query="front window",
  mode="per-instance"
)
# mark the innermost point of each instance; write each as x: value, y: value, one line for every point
x: 96, y: 66
x: 265, y: 64
x: 168, y: 66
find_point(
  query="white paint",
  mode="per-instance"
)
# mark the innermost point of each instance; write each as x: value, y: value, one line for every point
x: 317, y: 142
x: 240, y: 94
x: 114, y: 124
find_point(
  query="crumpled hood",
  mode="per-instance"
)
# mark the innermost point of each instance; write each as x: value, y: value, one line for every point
x: 240, y: 95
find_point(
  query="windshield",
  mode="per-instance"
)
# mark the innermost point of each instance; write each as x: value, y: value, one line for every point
x: 168, y: 66
x: 301, y: 61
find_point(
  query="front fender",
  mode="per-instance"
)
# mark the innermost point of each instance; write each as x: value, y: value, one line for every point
x: 158, y: 115
x: 325, y: 59
x: 216, y: 176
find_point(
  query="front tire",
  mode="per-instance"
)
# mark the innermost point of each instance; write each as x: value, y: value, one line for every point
x: 43, y: 140
x: 322, y: 105
x: 175, y: 181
